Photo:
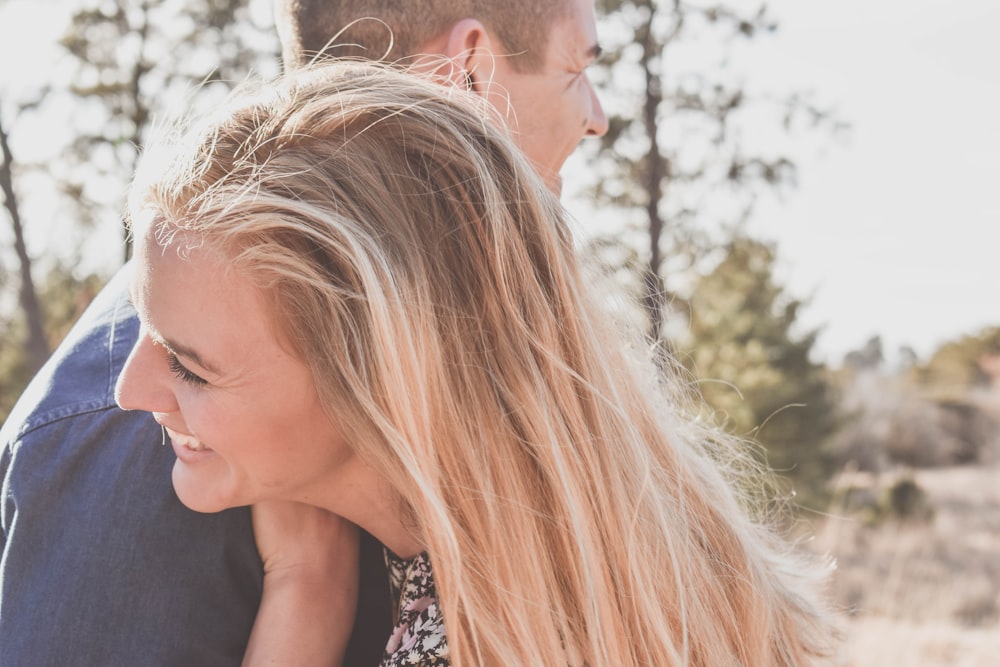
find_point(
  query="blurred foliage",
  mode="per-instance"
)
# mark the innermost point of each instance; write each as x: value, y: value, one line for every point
x: 962, y: 365
x: 15, y: 371
x: 890, y: 423
x: 64, y: 298
x: 755, y: 366
x: 945, y: 411
x: 134, y: 60
x: 900, y: 500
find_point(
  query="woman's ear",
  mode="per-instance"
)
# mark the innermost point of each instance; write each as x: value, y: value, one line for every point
x: 471, y: 48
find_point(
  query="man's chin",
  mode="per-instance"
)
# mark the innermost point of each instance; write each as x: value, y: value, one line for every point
x: 555, y: 185
x: 550, y: 176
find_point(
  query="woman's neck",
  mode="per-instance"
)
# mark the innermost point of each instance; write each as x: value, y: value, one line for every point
x: 363, y: 497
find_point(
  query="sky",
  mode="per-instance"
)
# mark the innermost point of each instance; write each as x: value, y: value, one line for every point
x: 894, y: 231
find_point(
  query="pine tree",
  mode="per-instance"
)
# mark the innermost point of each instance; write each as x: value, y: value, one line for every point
x: 755, y: 366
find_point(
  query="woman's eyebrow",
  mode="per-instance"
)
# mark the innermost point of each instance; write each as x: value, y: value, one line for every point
x: 182, y: 350
x: 185, y: 351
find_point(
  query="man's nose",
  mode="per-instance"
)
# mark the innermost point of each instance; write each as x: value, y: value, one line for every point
x: 141, y: 384
x: 597, y: 121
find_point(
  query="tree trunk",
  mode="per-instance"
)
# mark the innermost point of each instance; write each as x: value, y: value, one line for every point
x: 140, y: 113
x: 653, y: 281
x: 656, y: 169
x: 37, y: 347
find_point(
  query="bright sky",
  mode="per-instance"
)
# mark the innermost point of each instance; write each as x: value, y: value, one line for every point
x: 896, y: 232
x: 23, y: 25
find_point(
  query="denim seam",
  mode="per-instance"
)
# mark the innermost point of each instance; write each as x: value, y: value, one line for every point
x: 114, y: 343
x: 56, y: 415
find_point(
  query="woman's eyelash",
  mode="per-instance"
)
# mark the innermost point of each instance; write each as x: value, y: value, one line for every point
x: 184, y: 374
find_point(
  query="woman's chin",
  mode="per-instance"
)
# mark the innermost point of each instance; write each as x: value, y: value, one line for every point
x: 199, y: 496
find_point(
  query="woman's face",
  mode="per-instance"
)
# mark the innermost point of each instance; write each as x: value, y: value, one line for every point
x: 242, y: 413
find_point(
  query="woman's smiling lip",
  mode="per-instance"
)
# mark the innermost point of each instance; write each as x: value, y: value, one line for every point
x: 187, y: 448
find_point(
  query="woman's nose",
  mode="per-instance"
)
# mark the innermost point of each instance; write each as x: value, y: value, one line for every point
x: 144, y: 381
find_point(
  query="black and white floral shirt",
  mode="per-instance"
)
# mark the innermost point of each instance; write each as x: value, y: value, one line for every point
x: 418, y: 636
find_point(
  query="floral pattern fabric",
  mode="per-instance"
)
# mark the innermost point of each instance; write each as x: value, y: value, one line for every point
x: 418, y: 636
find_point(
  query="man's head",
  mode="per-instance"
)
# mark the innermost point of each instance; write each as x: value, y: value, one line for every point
x: 527, y: 56
x: 392, y: 30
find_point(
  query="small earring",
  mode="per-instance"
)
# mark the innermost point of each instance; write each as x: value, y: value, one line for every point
x: 163, y: 432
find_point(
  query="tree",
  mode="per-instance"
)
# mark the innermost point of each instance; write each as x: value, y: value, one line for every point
x: 756, y: 369
x: 676, y: 160
x: 961, y: 365
x: 36, y: 345
x: 133, y: 60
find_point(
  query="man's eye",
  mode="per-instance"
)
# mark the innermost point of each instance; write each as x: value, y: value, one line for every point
x: 184, y: 374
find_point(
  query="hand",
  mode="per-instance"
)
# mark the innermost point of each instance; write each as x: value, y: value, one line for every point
x: 295, y: 537
x: 310, y: 561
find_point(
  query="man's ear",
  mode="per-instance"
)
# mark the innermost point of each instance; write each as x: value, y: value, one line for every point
x: 472, y: 50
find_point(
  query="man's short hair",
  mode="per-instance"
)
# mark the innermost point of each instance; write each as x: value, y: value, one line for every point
x: 395, y: 30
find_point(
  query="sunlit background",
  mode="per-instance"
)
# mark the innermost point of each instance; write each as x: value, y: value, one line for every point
x: 894, y: 230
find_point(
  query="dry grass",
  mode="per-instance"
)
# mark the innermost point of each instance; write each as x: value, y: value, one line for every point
x: 923, y: 593
x: 893, y: 643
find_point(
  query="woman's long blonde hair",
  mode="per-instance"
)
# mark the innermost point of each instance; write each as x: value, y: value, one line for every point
x: 421, y: 269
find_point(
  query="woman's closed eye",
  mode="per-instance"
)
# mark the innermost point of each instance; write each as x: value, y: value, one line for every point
x: 178, y: 369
